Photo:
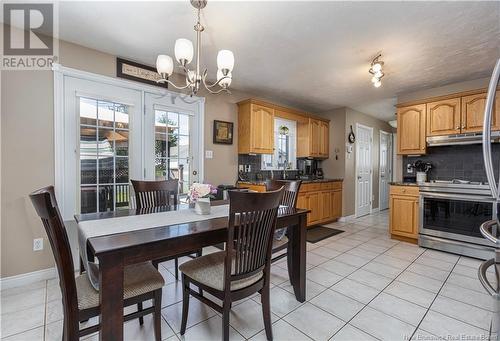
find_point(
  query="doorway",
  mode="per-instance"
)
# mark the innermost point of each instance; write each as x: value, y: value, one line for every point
x: 385, y: 169
x: 363, y: 170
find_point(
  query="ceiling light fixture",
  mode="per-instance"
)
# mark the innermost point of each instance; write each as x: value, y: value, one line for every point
x: 376, y: 71
x: 184, y: 52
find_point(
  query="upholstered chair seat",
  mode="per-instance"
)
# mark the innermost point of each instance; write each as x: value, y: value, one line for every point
x: 209, y: 270
x: 139, y: 279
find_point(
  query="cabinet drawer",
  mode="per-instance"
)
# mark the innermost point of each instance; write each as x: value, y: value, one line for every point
x: 326, y: 186
x: 336, y: 185
x: 405, y: 190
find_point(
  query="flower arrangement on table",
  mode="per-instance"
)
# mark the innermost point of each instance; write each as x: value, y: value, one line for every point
x: 200, y: 195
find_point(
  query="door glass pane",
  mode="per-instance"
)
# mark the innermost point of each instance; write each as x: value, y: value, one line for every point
x: 173, y: 147
x: 104, y: 155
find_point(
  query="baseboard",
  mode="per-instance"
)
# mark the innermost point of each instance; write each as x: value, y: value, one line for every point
x: 27, y: 278
x: 347, y: 218
x: 375, y: 210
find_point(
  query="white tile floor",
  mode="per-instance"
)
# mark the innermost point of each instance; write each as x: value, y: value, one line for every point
x: 361, y: 285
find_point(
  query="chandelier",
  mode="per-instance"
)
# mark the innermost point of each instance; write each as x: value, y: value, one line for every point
x: 184, y: 52
x: 376, y: 71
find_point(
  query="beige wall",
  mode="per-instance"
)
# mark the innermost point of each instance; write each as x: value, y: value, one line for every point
x: 27, y: 146
x: 340, y: 122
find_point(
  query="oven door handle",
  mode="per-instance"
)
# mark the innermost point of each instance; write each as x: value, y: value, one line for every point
x: 459, y: 197
x: 486, y: 229
x: 481, y: 273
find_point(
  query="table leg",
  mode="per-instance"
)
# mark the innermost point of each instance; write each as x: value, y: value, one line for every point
x: 111, y: 297
x: 298, y: 258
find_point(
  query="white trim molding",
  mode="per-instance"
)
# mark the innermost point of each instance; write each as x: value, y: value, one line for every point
x: 27, y: 278
x: 346, y: 219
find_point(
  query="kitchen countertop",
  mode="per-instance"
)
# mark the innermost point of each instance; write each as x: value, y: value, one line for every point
x: 303, y: 181
x: 397, y: 183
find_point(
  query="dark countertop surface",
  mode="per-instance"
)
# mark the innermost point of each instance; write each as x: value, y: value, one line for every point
x: 303, y: 181
x: 398, y: 183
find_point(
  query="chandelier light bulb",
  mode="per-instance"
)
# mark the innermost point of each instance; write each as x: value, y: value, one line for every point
x: 225, y: 60
x: 377, y: 84
x: 226, y: 81
x: 164, y: 64
x: 184, y: 50
x: 377, y: 67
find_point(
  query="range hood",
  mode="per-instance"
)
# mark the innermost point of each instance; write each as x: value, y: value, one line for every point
x: 460, y: 139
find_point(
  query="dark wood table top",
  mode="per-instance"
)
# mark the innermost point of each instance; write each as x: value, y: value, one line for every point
x: 124, y: 240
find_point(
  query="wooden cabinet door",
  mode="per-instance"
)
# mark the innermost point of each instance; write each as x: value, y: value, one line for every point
x: 323, y: 137
x: 473, y: 113
x: 325, y: 204
x: 314, y: 206
x: 411, y: 129
x: 404, y: 216
x: 262, y: 131
x: 444, y: 117
x: 336, y: 204
x: 314, y: 137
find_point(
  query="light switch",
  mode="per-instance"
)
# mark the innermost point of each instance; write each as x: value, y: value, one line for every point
x: 209, y: 154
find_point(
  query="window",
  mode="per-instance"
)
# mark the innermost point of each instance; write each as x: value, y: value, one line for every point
x: 172, y: 147
x: 285, y: 153
x: 104, y: 155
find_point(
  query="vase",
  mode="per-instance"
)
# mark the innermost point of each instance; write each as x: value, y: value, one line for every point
x: 202, y: 206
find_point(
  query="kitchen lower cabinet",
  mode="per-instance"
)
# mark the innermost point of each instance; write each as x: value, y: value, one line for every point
x: 403, y: 213
x: 323, y: 199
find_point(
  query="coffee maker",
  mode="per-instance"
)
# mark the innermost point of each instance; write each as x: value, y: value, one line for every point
x: 309, y: 169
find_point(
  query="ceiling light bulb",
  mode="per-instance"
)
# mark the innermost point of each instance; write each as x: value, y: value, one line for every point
x: 226, y: 81
x: 184, y: 50
x: 377, y: 84
x: 378, y: 74
x: 375, y: 79
x: 225, y: 60
x: 377, y: 67
x: 164, y: 64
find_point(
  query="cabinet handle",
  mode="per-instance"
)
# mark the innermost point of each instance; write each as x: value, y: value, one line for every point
x: 463, y: 126
x: 404, y: 190
x: 457, y: 128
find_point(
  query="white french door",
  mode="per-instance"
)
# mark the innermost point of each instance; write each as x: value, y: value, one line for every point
x: 363, y: 170
x: 385, y: 169
x: 173, y: 139
x: 103, y: 148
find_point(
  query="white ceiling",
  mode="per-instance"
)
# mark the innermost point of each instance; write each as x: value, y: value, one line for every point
x: 312, y: 55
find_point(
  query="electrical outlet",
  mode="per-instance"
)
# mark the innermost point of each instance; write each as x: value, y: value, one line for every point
x: 409, y: 168
x: 37, y: 244
x: 209, y: 154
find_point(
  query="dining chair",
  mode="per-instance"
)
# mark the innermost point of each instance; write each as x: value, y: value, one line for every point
x: 153, y: 194
x: 244, y: 267
x: 290, y: 194
x: 142, y: 282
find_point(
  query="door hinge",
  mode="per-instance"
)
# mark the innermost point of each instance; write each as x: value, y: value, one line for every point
x: 144, y: 173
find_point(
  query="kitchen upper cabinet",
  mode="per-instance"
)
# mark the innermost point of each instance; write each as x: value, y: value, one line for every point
x: 324, y: 128
x: 313, y: 138
x: 444, y: 117
x: 255, y: 129
x: 411, y: 129
x: 473, y: 113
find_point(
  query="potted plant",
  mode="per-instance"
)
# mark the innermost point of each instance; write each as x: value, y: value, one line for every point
x: 200, y: 195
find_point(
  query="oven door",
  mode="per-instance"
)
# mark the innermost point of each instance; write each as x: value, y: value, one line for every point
x: 456, y: 217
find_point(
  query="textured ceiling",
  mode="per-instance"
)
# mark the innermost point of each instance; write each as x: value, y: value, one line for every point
x: 312, y: 55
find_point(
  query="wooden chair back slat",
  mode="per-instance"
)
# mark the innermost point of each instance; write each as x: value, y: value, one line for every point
x: 149, y: 194
x: 252, y: 221
x: 44, y: 201
x: 290, y: 190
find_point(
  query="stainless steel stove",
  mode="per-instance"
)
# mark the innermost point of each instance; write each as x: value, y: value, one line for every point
x: 451, y: 213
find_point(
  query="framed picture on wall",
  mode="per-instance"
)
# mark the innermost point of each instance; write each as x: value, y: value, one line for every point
x: 223, y: 132
x: 138, y: 72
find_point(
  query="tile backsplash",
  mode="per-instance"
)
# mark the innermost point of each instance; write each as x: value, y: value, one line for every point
x: 256, y: 173
x: 456, y: 162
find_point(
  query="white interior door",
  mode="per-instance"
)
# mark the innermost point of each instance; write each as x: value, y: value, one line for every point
x: 385, y: 169
x: 363, y: 170
x: 174, y: 145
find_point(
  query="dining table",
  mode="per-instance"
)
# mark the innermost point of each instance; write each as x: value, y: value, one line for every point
x: 115, y: 251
